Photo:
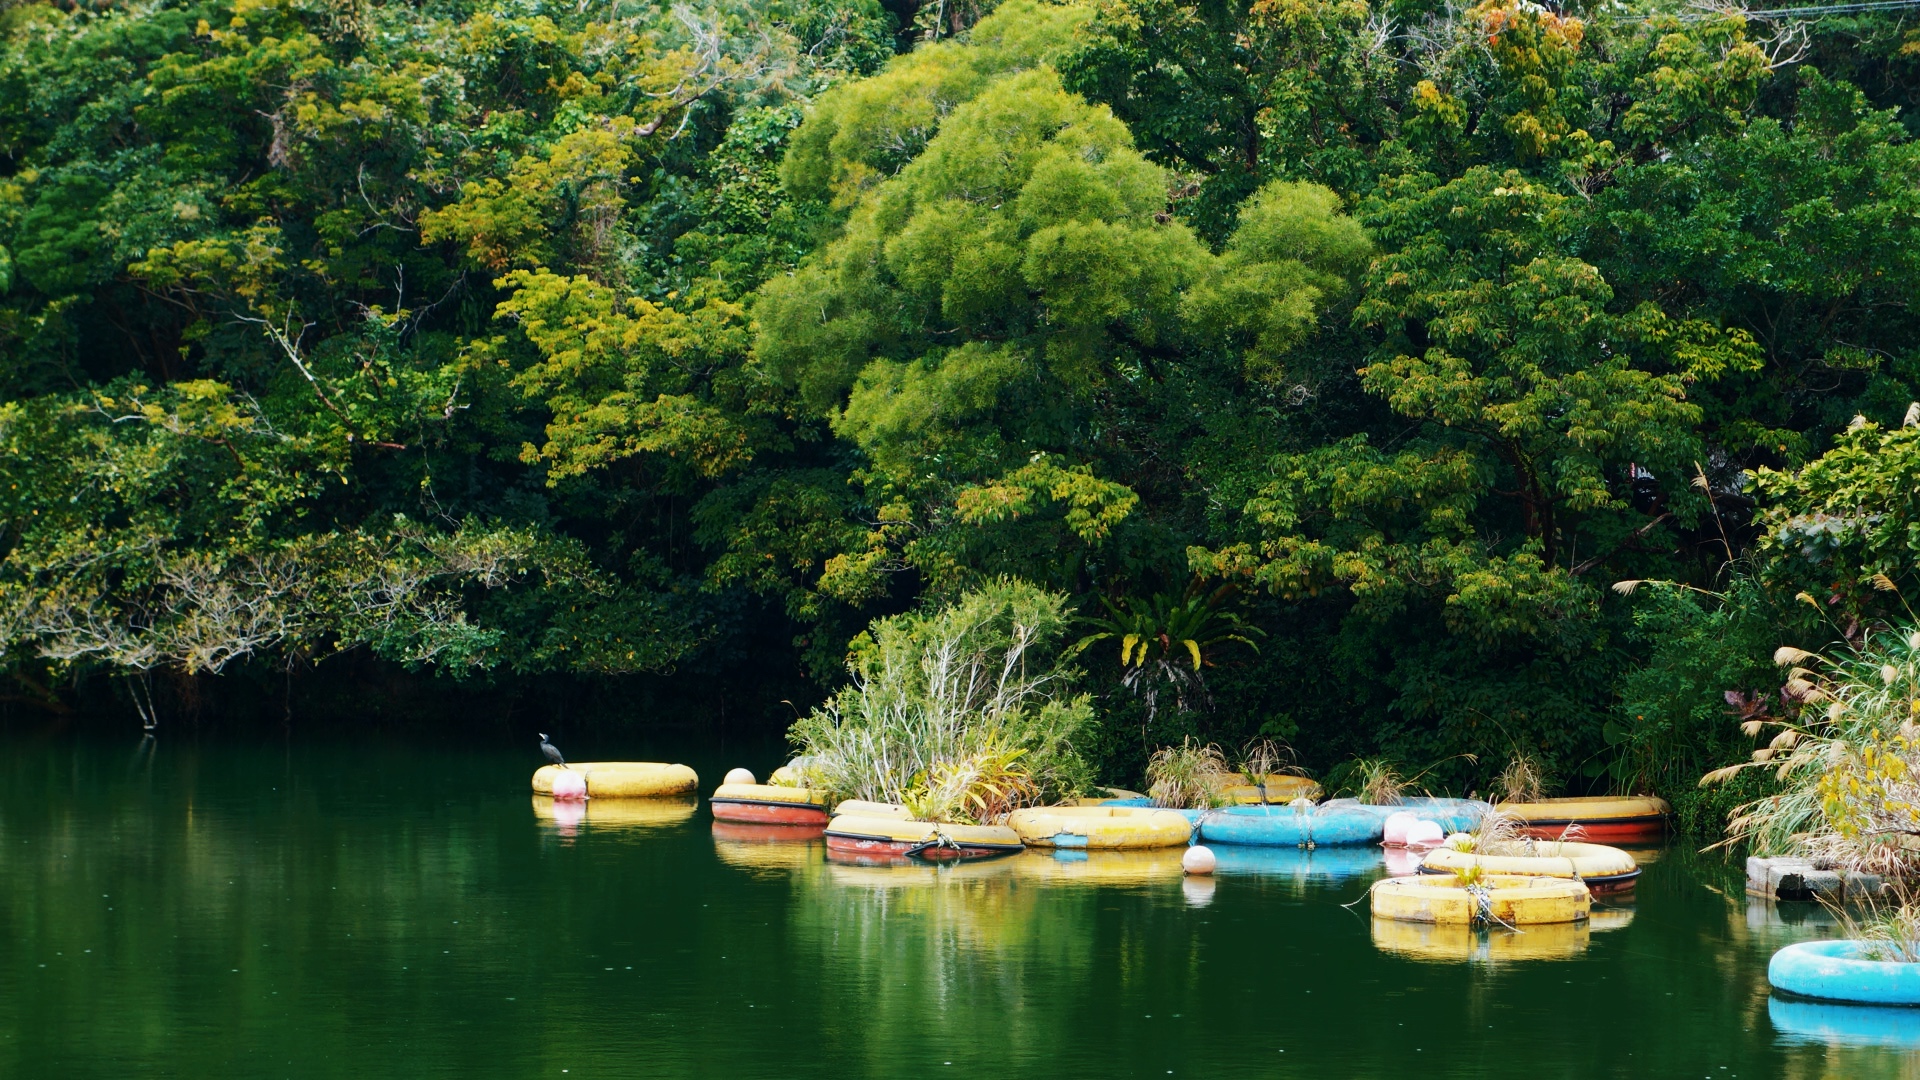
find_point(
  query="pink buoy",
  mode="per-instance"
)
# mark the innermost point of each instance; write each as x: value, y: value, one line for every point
x: 1425, y: 834
x: 1397, y: 824
x: 568, y: 784
x: 1198, y: 860
x: 739, y: 776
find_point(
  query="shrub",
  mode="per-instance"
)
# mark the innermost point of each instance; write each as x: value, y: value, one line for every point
x: 962, y: 713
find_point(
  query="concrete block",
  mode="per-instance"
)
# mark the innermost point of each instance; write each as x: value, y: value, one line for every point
x: 1792, y: 879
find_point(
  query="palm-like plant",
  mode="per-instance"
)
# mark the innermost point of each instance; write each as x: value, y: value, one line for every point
x: 1167, y: 641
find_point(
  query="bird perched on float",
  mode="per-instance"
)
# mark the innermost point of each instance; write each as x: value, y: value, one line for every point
x: 552, y: 751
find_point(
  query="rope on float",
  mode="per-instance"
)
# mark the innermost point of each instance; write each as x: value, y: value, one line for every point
x: 1483, y: 908
x: 938, y: 841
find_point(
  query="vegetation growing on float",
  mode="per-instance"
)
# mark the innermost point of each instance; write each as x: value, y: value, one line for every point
x: 963, y: 713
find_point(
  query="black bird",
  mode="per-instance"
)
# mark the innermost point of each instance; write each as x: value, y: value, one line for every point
x: 552, y: 751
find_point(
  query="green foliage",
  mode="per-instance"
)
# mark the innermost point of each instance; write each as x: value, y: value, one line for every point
x: 1847, y: 525
x: 644, y: 337
x: 1706, y: 663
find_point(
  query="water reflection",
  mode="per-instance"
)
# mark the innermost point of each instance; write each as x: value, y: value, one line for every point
x: 306, y: 912
x: 1198, y: 891
x: 1766, y: 915
x: 564, y: 817
x: 1302, y: 865
x: 1455, y: 943
x: 1480, y: 945
x: 763, y: 848
x: 1802, y: 1021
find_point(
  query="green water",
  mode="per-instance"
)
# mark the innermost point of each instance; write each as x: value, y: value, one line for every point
x: 321, y: 911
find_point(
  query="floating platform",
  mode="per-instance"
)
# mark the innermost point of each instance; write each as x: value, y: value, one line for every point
x: 1501, y: 899
x: 893, y: 837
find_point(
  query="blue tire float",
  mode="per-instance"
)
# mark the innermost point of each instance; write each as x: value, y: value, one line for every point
x: 1836, y: 971
x: 1452, y: 815
x: 1333, y: 823
x: 1283, y: 826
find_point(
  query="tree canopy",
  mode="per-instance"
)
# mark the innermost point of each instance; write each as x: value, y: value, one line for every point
x: 624, y: 339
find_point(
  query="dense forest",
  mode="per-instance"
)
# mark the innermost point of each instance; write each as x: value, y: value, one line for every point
x: 1408, y: 381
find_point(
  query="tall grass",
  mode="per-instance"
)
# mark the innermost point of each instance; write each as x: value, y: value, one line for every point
x: 1845, y: 751
x: 1191, y: 776
x: 1375, y: 781
x: 962, y: 713
x: 1521, y: 781
x: 1379, y: 781
x: 1889, y: 928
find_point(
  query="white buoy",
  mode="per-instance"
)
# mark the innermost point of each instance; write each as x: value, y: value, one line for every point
x: 1394, y: 832
x: 1198, y: 860
x: 739, y: 776
x: 1425, y: 834
x: 569, y: 785
x: 1460, y: 841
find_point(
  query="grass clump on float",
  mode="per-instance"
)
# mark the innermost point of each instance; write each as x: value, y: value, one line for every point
x: 1374, y: 781
x: 1379, y: 781
x: 1523, y: 780
x: 1265, y: 757
x: 963, y: 713
x: 1191, y: 776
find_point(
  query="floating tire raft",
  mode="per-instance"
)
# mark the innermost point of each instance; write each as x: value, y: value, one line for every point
x: 1102, y: 828
x: 1840, y: 971
x: 893, y: 837
x: 769, y: 804
x: 1494, y: 900
x: 1610, y: 820
x: 1602, y: 869
x: 622, y: 779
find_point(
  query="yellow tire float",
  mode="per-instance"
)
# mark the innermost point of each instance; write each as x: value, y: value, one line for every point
x: 864, y: 808
x: 1629, y: 819
x: 861, y: 836
x: 622, y: 779
x: 1277, y: 789
x: 768, y: 804
x: 1504, y: 898
x: 1599, y: 867
x: 1106, y: 828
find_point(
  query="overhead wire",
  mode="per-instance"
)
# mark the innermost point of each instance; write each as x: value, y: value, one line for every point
x: 1814, y: 11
